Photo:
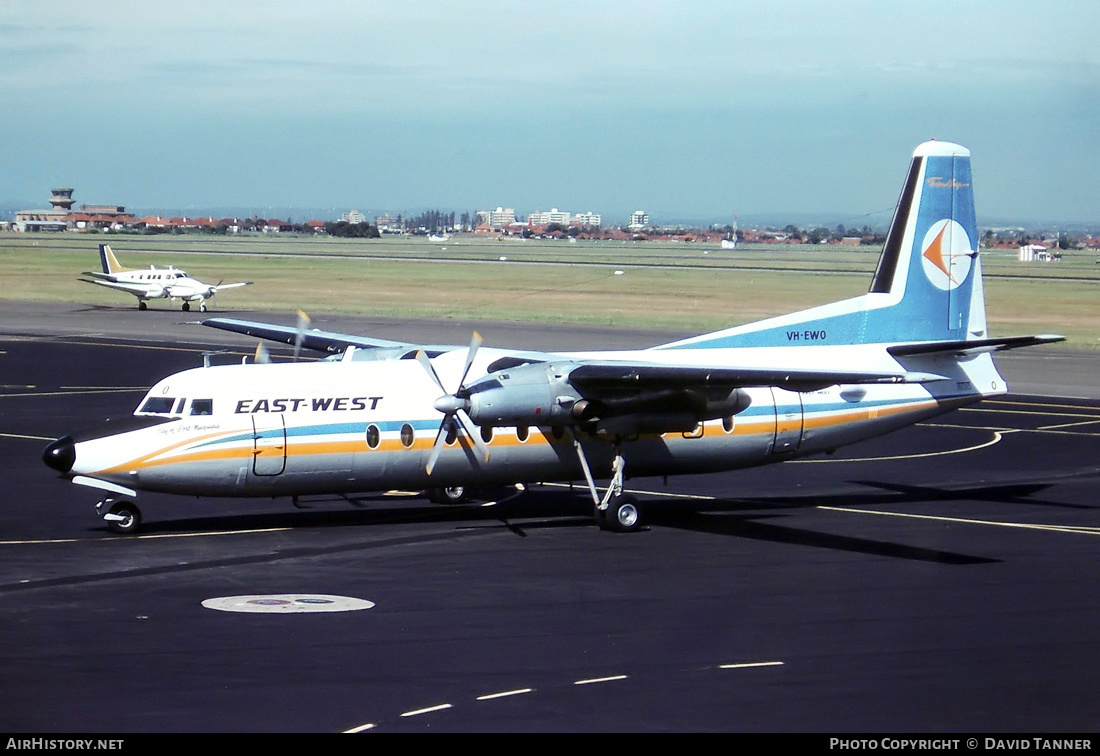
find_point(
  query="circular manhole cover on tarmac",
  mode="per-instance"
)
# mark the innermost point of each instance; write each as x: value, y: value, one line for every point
x: 287, y: 603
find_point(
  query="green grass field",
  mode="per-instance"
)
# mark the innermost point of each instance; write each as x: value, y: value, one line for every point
x: 687, y: 286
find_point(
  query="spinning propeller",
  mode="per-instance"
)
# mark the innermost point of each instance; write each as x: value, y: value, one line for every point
x: 454, y: 405
x: 303, y: 324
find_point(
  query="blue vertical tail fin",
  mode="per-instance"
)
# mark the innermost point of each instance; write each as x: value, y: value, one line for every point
x: 926, y: 286
x: 930, y: 260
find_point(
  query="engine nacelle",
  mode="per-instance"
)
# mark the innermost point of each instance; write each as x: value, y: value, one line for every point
x: 535, y: 394
x: 540, y: 394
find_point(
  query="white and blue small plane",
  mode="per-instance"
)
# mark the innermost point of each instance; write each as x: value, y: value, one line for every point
x: 379, y: 415
x: 153, y: 282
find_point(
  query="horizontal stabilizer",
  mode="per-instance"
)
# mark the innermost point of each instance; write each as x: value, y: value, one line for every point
x: 972, y: 346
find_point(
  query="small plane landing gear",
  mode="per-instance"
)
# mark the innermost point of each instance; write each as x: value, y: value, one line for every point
x: 448, y: 495
x: 143, y: 306
x: 186, y: 306
x: 122, y: 517
x: 202, y: 307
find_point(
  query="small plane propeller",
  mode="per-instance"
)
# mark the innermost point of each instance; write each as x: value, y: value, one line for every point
x: 262, y: 357
x: 303, y: 324
x: 454, y: 405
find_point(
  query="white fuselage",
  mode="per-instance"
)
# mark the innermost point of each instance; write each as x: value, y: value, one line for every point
x: 347, y: 426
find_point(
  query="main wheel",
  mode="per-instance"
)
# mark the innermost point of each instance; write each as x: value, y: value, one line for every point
x: 186, y: 306
x: 142, y: 306
x: 448, y: 495
x: 131, y: 518
x: 622, y: 515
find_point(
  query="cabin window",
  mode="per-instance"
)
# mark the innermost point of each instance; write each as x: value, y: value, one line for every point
x: 373, y: 436
x: 486, y: 433
x: 727, y: 424
x: 159, y: 405
x: 521, y: 432
x: 202, y: 407
x: 407, y: 435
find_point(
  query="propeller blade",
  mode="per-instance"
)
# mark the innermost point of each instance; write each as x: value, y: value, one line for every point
x: 474, y: 432
x: 427, y: 365
x: 303, y: 324
x: 475, y: 342
x: 437, y: 447
x: 262, y: 357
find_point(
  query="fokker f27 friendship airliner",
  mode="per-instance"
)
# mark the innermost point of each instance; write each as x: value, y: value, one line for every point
x: 379, y: 415
x: 154, y: 283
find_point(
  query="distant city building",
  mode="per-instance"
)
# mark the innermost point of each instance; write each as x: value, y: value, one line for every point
x: 590, y: 218
x: 353, y: 216
x: 638, y: 219
x: 387, y: 223
x: 501, y: 218
x: 539, y: 218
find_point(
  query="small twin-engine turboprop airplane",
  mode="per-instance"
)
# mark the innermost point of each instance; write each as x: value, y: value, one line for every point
x: 379, y: 415
x: 154, y: 283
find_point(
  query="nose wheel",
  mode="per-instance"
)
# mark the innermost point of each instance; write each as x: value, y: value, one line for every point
x: 122, y: 517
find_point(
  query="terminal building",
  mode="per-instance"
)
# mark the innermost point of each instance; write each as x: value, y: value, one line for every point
x: 62, y: 217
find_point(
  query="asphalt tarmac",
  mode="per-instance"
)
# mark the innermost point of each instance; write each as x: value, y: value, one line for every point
x: 937, y: 580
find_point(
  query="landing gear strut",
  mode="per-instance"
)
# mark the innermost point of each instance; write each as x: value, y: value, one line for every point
x: 616, y: 511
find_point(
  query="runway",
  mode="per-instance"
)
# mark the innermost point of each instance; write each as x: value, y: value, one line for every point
x: 937, y: 580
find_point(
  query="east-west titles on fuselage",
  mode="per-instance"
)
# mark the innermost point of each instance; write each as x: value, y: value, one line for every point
x: 307, y: 404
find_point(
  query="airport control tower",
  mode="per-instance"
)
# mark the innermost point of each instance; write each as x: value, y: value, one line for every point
x: 62, y: 199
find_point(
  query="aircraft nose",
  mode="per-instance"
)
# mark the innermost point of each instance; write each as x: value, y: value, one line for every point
x: 61, y: 454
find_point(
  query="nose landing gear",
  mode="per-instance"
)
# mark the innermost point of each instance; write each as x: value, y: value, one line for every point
x: 122, y: 516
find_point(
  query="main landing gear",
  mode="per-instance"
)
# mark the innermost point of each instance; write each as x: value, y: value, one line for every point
x: 448, y: 495
x: 616, y: 511
x: 122, y: 516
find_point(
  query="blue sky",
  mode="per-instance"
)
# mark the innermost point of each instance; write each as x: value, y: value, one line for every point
x: 685, y: 109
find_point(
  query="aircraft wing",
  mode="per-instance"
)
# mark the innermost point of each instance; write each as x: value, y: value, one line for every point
x: 138, y: 290
x: 314, y: 339
x: 600, y: 378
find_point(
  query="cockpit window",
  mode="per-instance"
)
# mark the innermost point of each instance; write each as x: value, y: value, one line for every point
x: 202, y: 407
x: 159, y: 405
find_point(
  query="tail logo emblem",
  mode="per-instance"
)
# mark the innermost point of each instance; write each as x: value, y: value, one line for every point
x: 946, y: 254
